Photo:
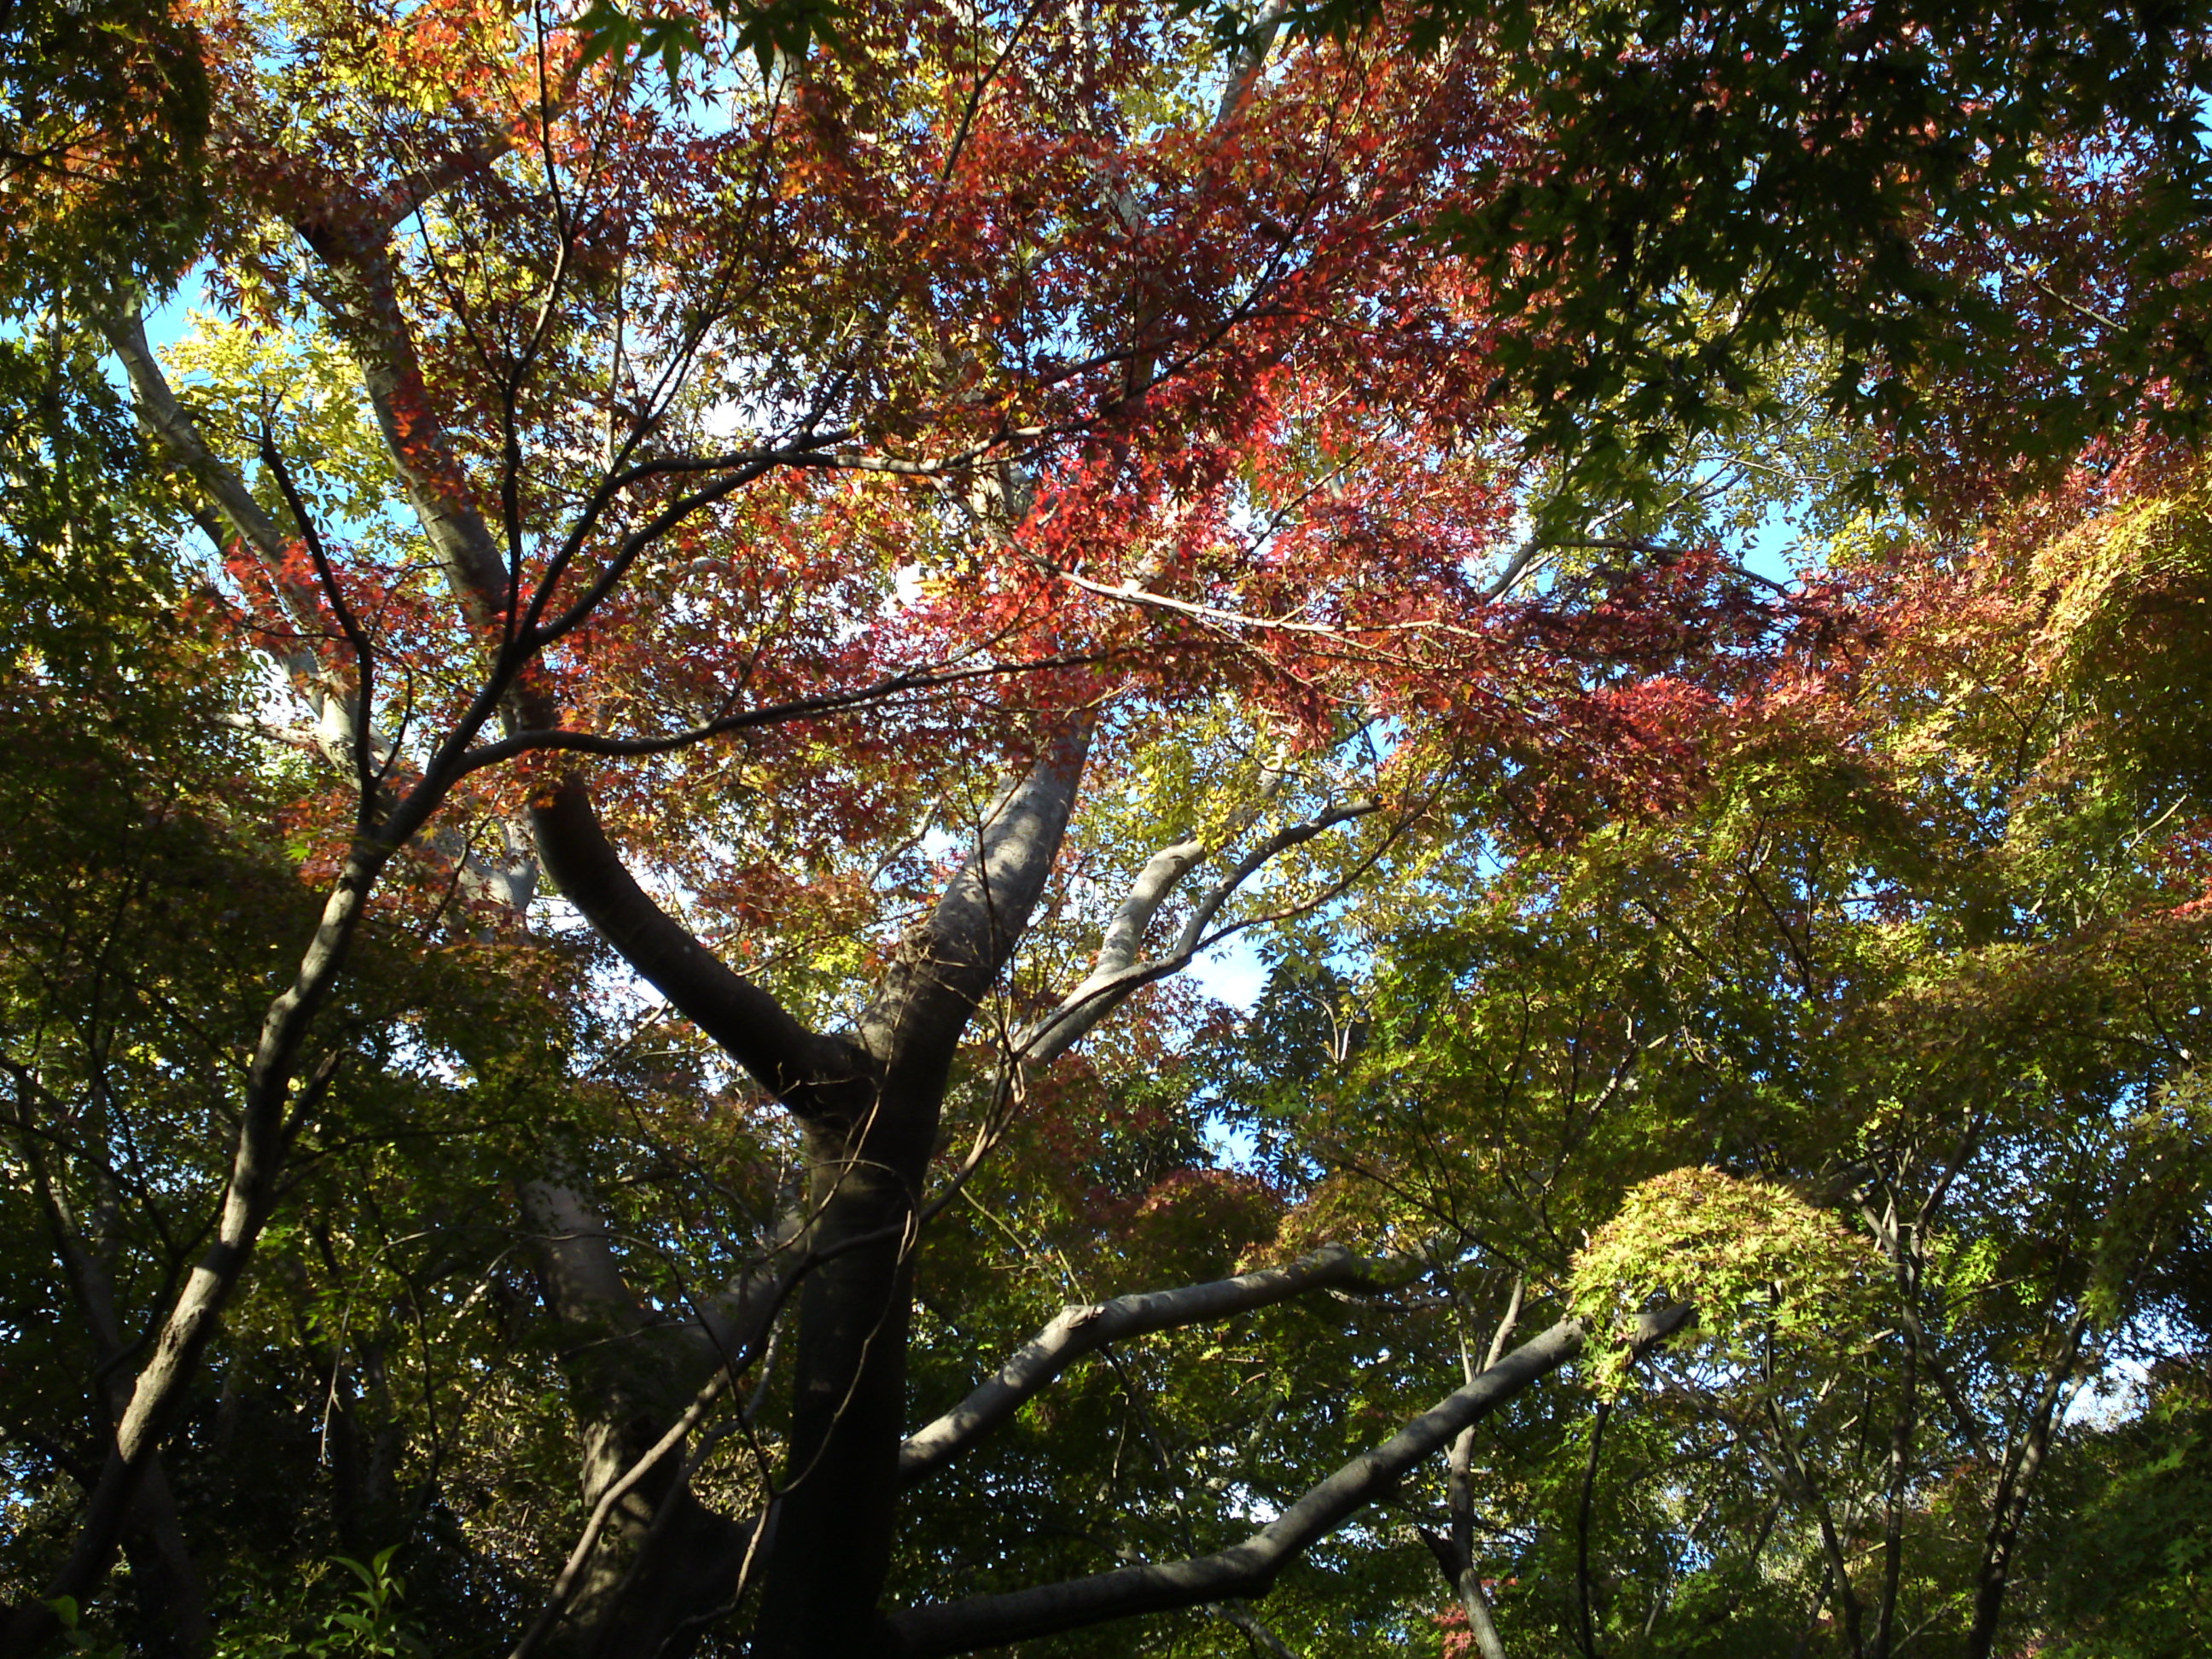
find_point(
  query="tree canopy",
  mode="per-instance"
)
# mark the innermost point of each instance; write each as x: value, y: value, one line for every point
x: 649, y: 659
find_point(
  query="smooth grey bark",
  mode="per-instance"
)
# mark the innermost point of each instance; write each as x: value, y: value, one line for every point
x: 836, y: 1516
x: 944, y: 967
x: 270, y: 1105
x: 1458, y: 1558
x: 621, y: 1595
x: 331, y: 690
x: 274, y: 1102
x: 669, y: 1555
x: 1084, y: 1328
x: 1115, y: 970
x: 163, y: 416
x: 1255, y: 1632
x: 362, y: 297
x: 1117, y: 973
x: 869, y: 1103
x: 1248, y: 1568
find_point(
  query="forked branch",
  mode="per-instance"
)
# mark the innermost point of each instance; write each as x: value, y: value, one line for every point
x: 1117, y: 974
x: 947, y: 961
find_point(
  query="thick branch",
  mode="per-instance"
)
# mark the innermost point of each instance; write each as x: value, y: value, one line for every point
x: 172, y: 426
x: 946, y: 964
x: 341, y: 731
x: 167, y: 1564
x: 1164, y: 871
x: 166, y: 419
x: 1457, y: 1556
x: 802, y: 1069
x: 1116, y: 975
x: 810, y: 1073
x: 1250, y: 1568
x: 1085, y: 1329
x: 583, y: 1284
x: 365, y: 305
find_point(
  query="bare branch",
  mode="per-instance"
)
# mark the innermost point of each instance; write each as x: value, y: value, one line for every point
x: 158, y: 408
x: 572, y: 1569
x: 364, y: 300
x: 1084, y: 1329
x: 1516, y: 568
x: 1117, y: 975
x: 825, y: 702
x: 370, y: 767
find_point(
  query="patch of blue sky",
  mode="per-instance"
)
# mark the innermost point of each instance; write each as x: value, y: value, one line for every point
x: 1775, y: 547
x: 169, y: 320
x: 1233, y: 972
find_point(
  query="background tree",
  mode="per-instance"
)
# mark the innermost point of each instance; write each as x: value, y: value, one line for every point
x: 1924, y: 951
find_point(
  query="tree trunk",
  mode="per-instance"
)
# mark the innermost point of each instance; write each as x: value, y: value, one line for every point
x: 836, y: 1514
x: 2009, y: 1506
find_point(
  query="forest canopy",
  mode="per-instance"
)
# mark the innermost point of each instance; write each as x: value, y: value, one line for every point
x: 842, y: 832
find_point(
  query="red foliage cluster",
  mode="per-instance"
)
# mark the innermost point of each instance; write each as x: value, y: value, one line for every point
x: 879, y: 414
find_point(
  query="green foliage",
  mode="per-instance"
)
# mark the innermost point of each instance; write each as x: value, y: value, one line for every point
x: 104, y: 110
x: 2127, y: 1557
x: 771, y: 30
x: 80, y: 1639
x: 1897, y: 1021
x: 368, y: 1622
x: 1990, y: 219
x: 1757, y: 1263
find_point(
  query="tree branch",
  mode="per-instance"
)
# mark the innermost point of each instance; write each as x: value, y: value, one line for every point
x: 1250, y: 1568
x: 948, y: 961
x: 811, y: 1073
x: 364, y: 301
x: 1116, y: 975
x: 524, y: 741
x: 1084, y: 1329
x: 171, y: 425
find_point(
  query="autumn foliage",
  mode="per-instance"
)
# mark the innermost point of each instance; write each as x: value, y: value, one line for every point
x: 709, y: 636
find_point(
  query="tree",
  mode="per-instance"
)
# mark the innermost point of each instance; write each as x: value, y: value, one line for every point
x: 1018, y: 418
x: 910, y: 546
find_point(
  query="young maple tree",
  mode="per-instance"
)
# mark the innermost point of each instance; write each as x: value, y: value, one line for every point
x: 685, y: 494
